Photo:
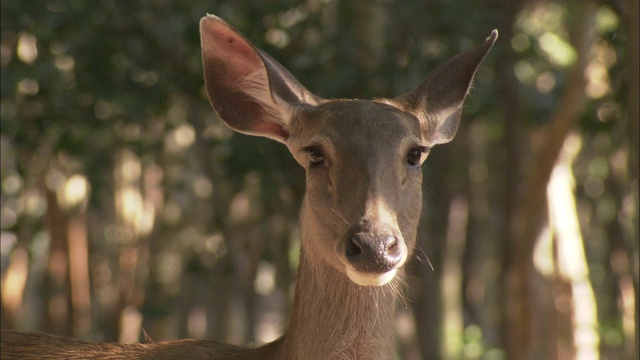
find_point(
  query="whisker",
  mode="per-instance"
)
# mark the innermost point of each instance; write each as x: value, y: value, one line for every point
x: 425, y: 256
x: 430, y: 264
x: 340, y: 216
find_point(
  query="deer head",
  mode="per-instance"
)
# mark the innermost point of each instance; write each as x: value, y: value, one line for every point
x: 362, y: 158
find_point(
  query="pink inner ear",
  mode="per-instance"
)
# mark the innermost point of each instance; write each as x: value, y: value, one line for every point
x: 273, y: 129
x: 225, y: 43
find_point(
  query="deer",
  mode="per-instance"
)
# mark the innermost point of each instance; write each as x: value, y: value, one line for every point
x: 359, y: 215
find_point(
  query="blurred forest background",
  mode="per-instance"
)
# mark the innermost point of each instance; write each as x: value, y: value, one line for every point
x: 128, y: 206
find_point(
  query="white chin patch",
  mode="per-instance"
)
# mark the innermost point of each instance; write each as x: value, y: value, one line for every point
x: 369, y: 279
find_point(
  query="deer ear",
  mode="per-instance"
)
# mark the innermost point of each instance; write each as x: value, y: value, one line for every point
x: 250, y: 91
x: 437, y: 102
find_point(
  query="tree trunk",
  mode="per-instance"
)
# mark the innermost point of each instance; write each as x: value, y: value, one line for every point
x: 57, y: 300
x: 529, y: 215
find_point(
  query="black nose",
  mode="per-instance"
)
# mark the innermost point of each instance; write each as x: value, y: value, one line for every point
x: 374, y: 250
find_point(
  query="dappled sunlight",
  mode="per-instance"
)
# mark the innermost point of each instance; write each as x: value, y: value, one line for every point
x: 543, y: 27
x: 180, y: 139
x: 545, y: 22
x: 543, y: 253
x: 271, y: 323
x: 571, y: 258
x: 452, y: 297
x: 27, y: 49
x: 597, y: 72
x: 265, y: 279
x: 28, y: 87
x: 197, y: 323
x: 244, y: 206
x: 14, y: 278
x: 75, y: 192
x: 202, y: 187
x: 136, y: 213
x: 130, y: 325
x: 558, y: 49
x: 629, y: 311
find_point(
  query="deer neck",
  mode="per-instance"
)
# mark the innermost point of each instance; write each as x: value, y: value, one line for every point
x: 333, y: 318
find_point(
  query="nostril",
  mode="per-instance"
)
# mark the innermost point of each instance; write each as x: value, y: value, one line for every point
x: 373, y: 253
x: 391, y: 244
x: 353, y: 248
x: 393, y: 250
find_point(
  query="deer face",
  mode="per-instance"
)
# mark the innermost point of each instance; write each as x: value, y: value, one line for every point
x: 363, y: 200
x: 362, y: 158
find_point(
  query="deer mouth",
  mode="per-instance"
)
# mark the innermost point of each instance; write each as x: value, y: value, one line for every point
x: 370, y: 279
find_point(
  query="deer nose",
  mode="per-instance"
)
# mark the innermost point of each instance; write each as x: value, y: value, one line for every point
x: 374, y: 252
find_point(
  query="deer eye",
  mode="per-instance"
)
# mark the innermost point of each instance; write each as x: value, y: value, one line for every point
x: 415, y: 155
x: 316, y: 155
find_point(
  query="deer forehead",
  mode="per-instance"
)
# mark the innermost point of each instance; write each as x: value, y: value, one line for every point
x: 347, y: 128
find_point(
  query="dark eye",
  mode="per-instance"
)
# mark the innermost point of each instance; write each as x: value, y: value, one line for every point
x: 415, y: 155
x: 316, y: 155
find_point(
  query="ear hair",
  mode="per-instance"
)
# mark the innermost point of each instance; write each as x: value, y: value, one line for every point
x: 437, y: 101
x: 250, y: 91
x: 256, y: 86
